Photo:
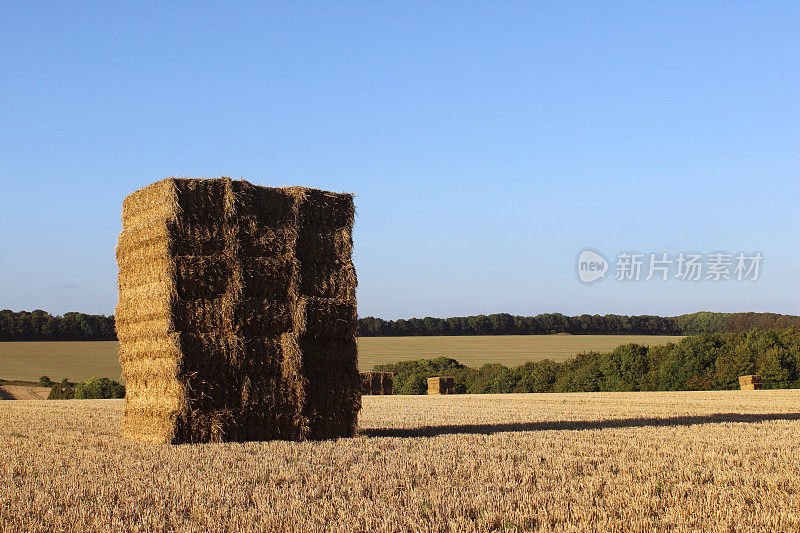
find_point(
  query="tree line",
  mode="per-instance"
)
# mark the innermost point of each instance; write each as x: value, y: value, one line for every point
x: 553, y: 323
x: 699, y: 362
x: 42, y: 326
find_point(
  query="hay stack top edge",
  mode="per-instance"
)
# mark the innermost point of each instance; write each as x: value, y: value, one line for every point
x: 134, y: 197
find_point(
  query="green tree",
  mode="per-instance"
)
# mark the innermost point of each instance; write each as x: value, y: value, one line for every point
x: 99, y: 388
x: 62, y: 391
x: 492, y: 378
x: 539, y: 376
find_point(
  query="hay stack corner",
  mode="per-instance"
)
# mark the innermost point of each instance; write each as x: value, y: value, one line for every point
x: 237, y: 312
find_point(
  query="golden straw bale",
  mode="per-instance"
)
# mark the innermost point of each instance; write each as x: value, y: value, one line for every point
x: 751, y: 382
x: 237, y: 312
x: 441, y: 385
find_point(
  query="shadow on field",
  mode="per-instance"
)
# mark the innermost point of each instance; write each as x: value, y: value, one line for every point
x: 489, y: 429
x: 5, y: 395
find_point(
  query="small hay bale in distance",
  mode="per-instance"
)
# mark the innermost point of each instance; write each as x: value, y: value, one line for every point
x: 441, y: 385
x: 237, y: 312
x: 751, y: 382
x: 370, y: 383
x: 377, y: 383
x: 387, y: 383
x: 366, y: 382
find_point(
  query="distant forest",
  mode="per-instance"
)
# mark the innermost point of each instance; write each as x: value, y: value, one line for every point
x: 42, y: 326
x: 553, y: 323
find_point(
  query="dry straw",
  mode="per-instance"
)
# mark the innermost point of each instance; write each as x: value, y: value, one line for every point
x: 237, y: 312
x: 441, y: 385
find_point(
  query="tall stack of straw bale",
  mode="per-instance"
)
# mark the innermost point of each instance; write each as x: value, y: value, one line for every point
x: 752, y: 382
x: 441, y: 385
x: 237, y: 312
x: 374, y: 383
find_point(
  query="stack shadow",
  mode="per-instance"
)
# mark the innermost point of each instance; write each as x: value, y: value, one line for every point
x: 575, y: 425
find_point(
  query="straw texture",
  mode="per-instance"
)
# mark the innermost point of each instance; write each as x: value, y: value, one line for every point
x: 237, y: 312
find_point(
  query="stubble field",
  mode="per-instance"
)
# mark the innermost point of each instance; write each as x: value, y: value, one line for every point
x: 79, y: 361
x: 712, y: 461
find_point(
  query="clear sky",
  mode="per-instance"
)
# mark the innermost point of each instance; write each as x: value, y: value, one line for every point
x: 488, y: 143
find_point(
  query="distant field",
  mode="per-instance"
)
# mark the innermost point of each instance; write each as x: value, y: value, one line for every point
x: 79, y: 361
x: 76, y: 361
x: 509, y: 350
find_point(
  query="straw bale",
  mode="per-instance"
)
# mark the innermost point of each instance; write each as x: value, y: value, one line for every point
x: 157, y: 347
x: 329, y: 280
x: 376, y: 386
x: 264, y: 207
x: 366, y: 382
x: 324, y: 246
x: 375, y: 383
x: 237, y: 312
x: 329, y: 318
x: 387, y: 383
x: 204, y: 200
x: 266, y: 276
x: 325, y: 209
x: 153, y: 422
x: 750, y: 382
x: 372, y: 382
x: 269, y: 242
x: 441, y: 385
x: 200, y: 276
x: 333, y: 387
x: 150, y: 206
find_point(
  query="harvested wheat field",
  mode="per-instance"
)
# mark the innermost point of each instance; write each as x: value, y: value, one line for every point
x: 715, y: 461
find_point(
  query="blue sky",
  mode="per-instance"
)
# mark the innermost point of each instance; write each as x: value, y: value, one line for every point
x: 488, y: 143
